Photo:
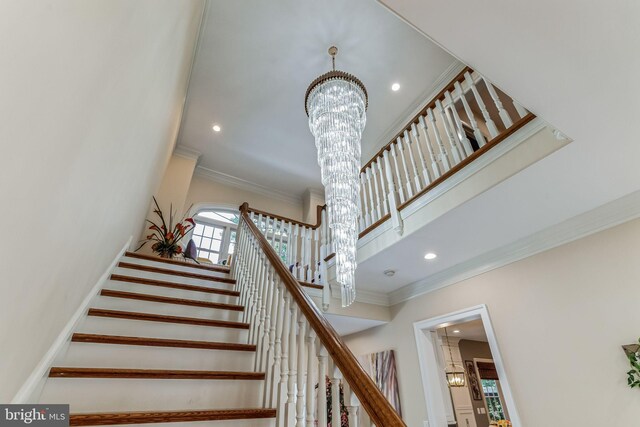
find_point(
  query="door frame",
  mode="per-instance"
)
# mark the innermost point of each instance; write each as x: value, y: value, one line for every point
x: 437, y: 397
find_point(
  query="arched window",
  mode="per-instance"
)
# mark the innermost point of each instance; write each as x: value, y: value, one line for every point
x: 215, y: 234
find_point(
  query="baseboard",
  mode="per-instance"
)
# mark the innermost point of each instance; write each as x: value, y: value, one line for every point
x: 32, y: 387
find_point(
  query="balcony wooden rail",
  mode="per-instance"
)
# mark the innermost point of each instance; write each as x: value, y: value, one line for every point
x: 296, y: 345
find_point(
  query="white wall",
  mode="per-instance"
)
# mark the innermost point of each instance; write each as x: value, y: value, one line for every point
x: 206, y: 191
x: 92, y: 93
x: 560, y: 318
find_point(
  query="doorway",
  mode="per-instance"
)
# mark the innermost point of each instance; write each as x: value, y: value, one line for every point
x: 462, y: 371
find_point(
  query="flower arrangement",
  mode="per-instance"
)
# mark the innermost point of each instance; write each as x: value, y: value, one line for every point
x: 166, y: 236
x: 633, y: 375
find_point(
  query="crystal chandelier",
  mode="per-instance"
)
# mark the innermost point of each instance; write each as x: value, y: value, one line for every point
x: 336, y: 103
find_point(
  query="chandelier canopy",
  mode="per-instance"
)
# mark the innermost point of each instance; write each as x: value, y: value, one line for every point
x: 336, y: 103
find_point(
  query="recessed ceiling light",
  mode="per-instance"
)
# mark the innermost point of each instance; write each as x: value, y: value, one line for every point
x: 456, y: 331
x: 216, y: 128
x: 395, y: 87
x: 430, y: 256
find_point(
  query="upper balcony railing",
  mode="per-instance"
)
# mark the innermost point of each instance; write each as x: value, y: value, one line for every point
x: 462, y: 122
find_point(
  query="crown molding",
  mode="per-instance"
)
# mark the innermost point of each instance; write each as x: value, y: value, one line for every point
x: 609, y: 215
x: 187, y: 152
x: 242, y: 184
x: 444, y: 79
x: 315, y: 192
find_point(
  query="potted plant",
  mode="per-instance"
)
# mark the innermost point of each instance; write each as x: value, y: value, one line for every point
x: 165, y: 235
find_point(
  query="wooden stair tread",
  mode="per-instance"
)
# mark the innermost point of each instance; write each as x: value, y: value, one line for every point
x: 163, y: 284
x: 160, y: 342
x: 310, y: 285
x: 114, y: 418
x: 133, y: 315
x: 71, y: 372
x: 175, y: 272
x: 170, y: 300
x: 218, y: 268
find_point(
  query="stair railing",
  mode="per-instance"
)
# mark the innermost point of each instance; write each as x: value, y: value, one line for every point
x: 297, y: 348
x: 462, y: 122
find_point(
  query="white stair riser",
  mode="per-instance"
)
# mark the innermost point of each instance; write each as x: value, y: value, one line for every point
x: 170, y: 292
x: 113, y: 326
x: 91, y: 355
x: 123, y: 395
x: 124, y: 304
x: 185, y: 268
x: 130, y: 272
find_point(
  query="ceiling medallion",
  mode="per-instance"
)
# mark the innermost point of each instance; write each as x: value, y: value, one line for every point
x: 336, y: 103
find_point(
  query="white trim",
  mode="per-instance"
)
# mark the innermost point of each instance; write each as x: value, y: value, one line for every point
x: 514, y: 140
x: 187, y: 152
x: 242, y: 184
x: 427, y: 351
x: 601, y: 218
x: 364, y: 296
x: 444, y: 79
x: 32, y: 387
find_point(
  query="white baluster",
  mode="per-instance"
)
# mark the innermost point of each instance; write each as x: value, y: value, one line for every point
x: 366, y: 214
x: 383, y: 191
x: 416, y: 138
x: 472, y: 119
x: 290, y: 408
x: 300, y: 398
x: 444, y: 160
x: 270, y: 360
x: 380, y: 206
x: 374, y: 218
x: 294, y: 250
x: 284, y: 361
x: 401, y: 151
x: 392, y: 196
x: 322, y: 386
x: 435, y: 168
x: 504, y: 115
x: 453, y: 143
x: 312, y: 361
x: 491, y: 126
x: 399, y: 186
x: 353, y: 408
x: 414, y: 168
x: 462, y: 135
x: 336, y: 415
x: 303, y: 253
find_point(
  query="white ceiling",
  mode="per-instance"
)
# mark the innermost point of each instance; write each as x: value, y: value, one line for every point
x: 472, y: 330
x: 575, y: 66
x: 345, y: 325
x: 254, y: 63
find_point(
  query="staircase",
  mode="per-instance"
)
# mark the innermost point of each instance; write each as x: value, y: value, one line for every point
x: 162, y: 342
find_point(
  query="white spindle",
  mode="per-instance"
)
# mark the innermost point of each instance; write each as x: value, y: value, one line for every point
x: 504, y: 115
x: 283, y: 334
x: 380, y: 206
x: 491, y: 126
x: 290, y: 408
x: 383, y: 193
x: 366, y: 213
x: 392, y: 196
x: 462, y: 135
x: 435, y: 168
x: 304, y: 248
x: 416, y: 176
x: 362, y: 223
x: 353, y: 408
x: 401, y: 151
x: 416, y: 138
x: 335, y: 397
x: 322, y: 386
x: 472, y: 118
x: 270, y: 364
x: 520, y: 109
x: 374, y: 218
x: 300, y: 398
x: 444, y: 160
x: 399, y: 187
x: 312, y: 362
x: 453, y: 143
x: 294, y: 250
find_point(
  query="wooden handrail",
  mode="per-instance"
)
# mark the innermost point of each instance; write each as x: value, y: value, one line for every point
x: 415, y: 119
x: 318, y: 223
x: 377, y: 406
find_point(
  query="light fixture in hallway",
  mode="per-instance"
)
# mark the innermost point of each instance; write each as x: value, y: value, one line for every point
x: 336, y: 103
x: 455, y: 377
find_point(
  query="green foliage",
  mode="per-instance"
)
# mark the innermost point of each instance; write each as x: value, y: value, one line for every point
x: 633, y: 375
